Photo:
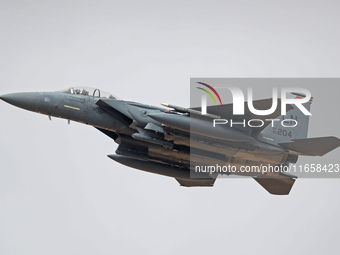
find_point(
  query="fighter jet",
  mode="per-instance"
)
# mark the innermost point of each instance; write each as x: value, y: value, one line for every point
x: 173, y: 141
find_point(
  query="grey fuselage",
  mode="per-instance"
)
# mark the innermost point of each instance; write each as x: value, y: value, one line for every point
x: 165, y: 145
x: 81, y: 109
x: 179, y: 142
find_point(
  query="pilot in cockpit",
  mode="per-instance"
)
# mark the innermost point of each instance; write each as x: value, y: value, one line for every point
x: 85, y: 92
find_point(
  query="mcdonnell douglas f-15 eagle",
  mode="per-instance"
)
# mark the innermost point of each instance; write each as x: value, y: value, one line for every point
x: 172, y: 141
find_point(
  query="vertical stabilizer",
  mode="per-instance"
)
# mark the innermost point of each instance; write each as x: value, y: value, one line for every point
x: 284, y: 134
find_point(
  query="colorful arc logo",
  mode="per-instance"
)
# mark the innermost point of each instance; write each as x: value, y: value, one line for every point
x: 209, y: 93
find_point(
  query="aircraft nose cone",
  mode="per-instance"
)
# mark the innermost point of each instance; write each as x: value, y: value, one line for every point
x: 25, y: 100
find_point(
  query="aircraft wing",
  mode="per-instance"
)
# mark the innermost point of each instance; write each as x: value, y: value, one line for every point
x: 226, y: 112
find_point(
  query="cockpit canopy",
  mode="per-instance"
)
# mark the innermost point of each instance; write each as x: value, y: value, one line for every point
x: 86, y: 91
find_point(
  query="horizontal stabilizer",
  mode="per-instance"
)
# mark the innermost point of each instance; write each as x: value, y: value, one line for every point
x: 318, y: 146
x: 196, y: 183
x: 280, y: 185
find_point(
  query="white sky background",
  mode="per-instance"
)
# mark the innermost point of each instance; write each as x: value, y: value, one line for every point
x: 60, y: 194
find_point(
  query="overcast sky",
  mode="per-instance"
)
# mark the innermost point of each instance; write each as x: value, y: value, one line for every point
x: 60, y: 194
